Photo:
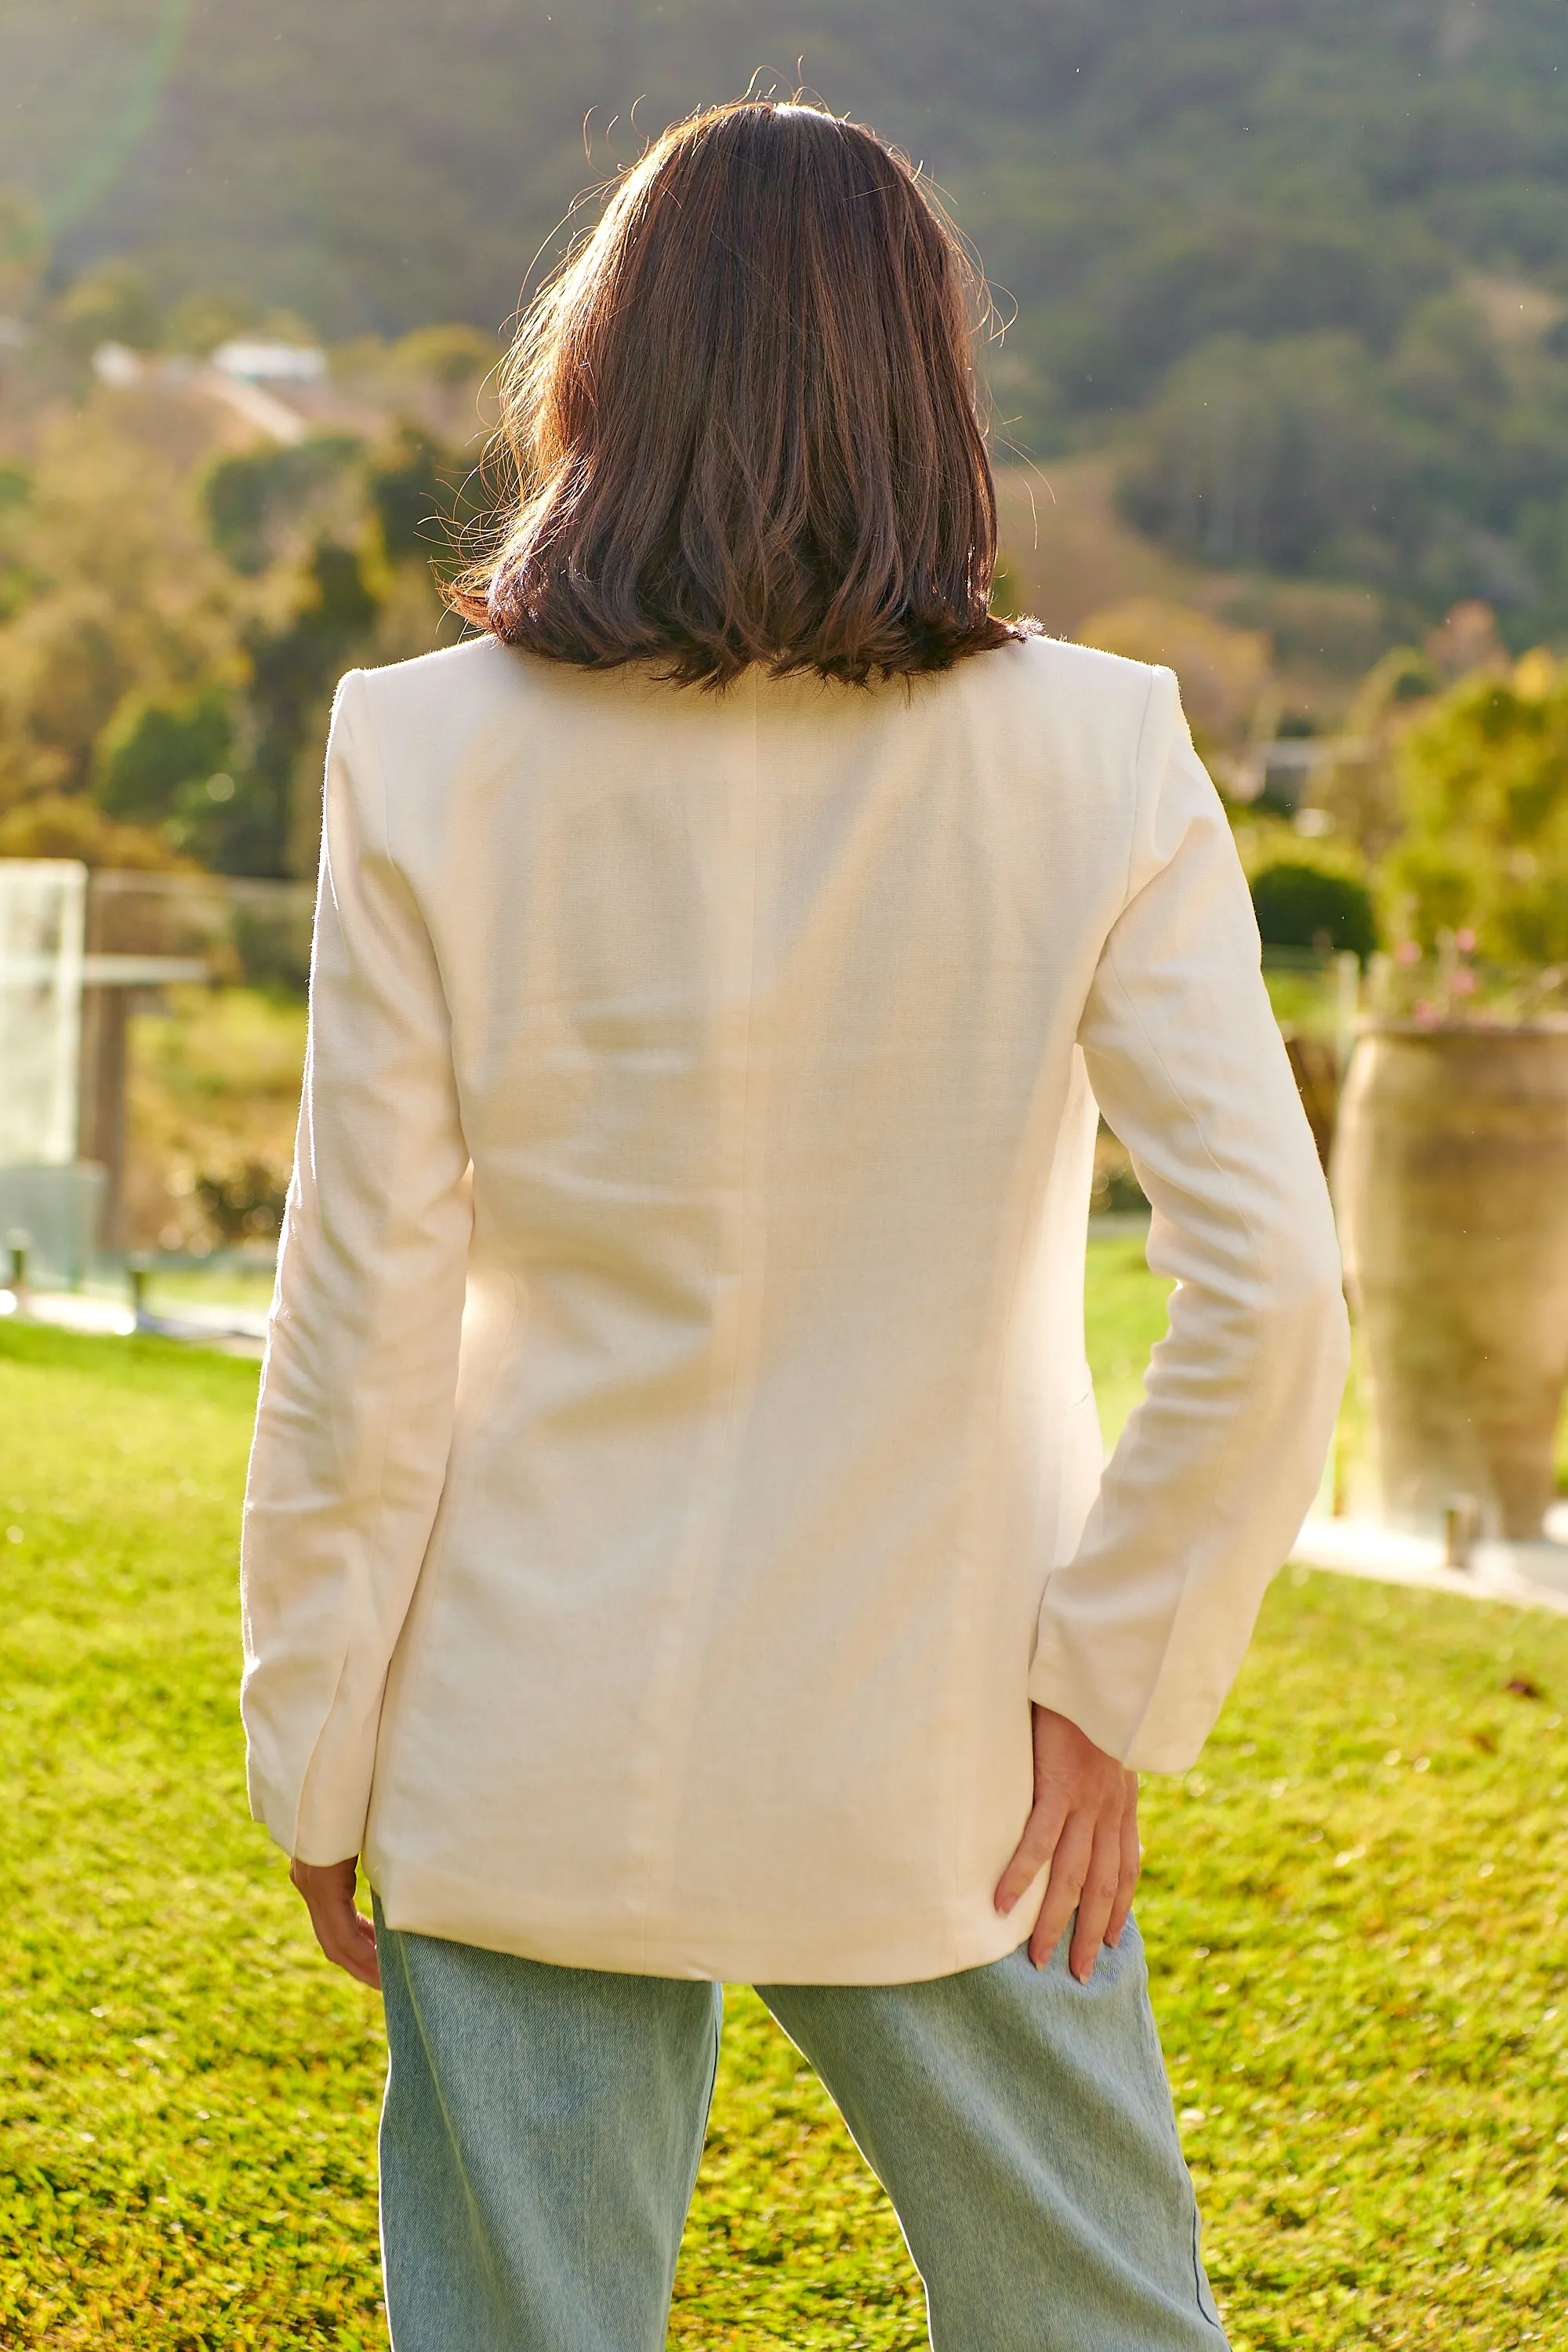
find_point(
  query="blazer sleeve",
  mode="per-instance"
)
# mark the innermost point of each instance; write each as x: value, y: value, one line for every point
x: 1141, y: 1633
x: 355, y: 1414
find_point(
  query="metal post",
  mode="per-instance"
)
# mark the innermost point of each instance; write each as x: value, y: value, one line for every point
x: 1347, y: 1006
x: 138, y: 1269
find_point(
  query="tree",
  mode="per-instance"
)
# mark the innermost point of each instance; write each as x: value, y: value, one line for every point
x: 264, y: 502
x: 113, y: 304
x: 1281, y: 457
x: 58, y: 824
x: 1484, y: 786
x: 114, y: 591
x: 208, y: 316
x: 261, y: 828
x: 1358, y: 788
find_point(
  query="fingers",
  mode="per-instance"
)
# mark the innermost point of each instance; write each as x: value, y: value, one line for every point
x: 1131, y: 1863
x: 1033, y: 1851
x: 1069, y: 1868
x: 343, y: 1933
x: 1097, y: 1898
x: 348, y: 1940
x: 1084, y: 1825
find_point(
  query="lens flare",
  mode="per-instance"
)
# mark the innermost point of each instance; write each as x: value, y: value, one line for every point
x: 103, y: 164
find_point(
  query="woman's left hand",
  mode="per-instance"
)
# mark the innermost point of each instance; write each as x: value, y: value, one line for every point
x: 1084, y: 1823
x: 343, y: 1931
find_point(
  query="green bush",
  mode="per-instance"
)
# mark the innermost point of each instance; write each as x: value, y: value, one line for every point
x: 1484, y: 788
x: 149, y: 749
x: 256, y: 501
x: 1299, y: 905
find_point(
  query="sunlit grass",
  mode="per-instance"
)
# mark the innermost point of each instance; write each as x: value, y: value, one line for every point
x: 1353, y: 1908
x: 1124, y: 1314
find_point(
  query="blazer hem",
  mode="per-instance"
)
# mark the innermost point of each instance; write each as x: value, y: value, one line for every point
x: 422, y: 1903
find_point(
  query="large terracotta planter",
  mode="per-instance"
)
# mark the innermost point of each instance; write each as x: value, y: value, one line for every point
x: 1450, y: 1177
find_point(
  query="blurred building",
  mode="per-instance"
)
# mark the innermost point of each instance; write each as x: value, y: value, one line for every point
x: 78, y: 951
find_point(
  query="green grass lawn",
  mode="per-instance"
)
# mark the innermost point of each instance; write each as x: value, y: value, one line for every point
x: 1354, y: 1910
x: 1124, y: 1314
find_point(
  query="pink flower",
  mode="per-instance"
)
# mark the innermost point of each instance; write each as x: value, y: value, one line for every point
x: 1407, y: 952
x: 1462, y: 982
x: 1426, y: 1013
x: 1465, y: 941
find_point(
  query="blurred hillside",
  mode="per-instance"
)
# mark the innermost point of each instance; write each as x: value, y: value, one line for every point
x: 1303, y: 263
x: 1284, y: 379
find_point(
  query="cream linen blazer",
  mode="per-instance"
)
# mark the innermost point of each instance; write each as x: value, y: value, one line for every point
x: 676, y: 1465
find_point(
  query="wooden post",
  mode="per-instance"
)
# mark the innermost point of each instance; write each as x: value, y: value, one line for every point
x: 102, y: 1117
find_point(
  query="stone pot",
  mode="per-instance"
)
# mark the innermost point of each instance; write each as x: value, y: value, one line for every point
x: 1450, y: 1178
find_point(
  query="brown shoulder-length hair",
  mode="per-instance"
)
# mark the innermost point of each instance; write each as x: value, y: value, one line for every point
x: 741, y: 423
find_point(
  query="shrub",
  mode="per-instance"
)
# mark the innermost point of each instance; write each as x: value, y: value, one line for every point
x: 1302, y: 906
x: 257, y: 500
x: 150, y: 749
x: 67, y: 824
x: 245, y: 1198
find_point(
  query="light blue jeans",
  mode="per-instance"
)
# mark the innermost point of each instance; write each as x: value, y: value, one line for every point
x: 543, y: 2125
